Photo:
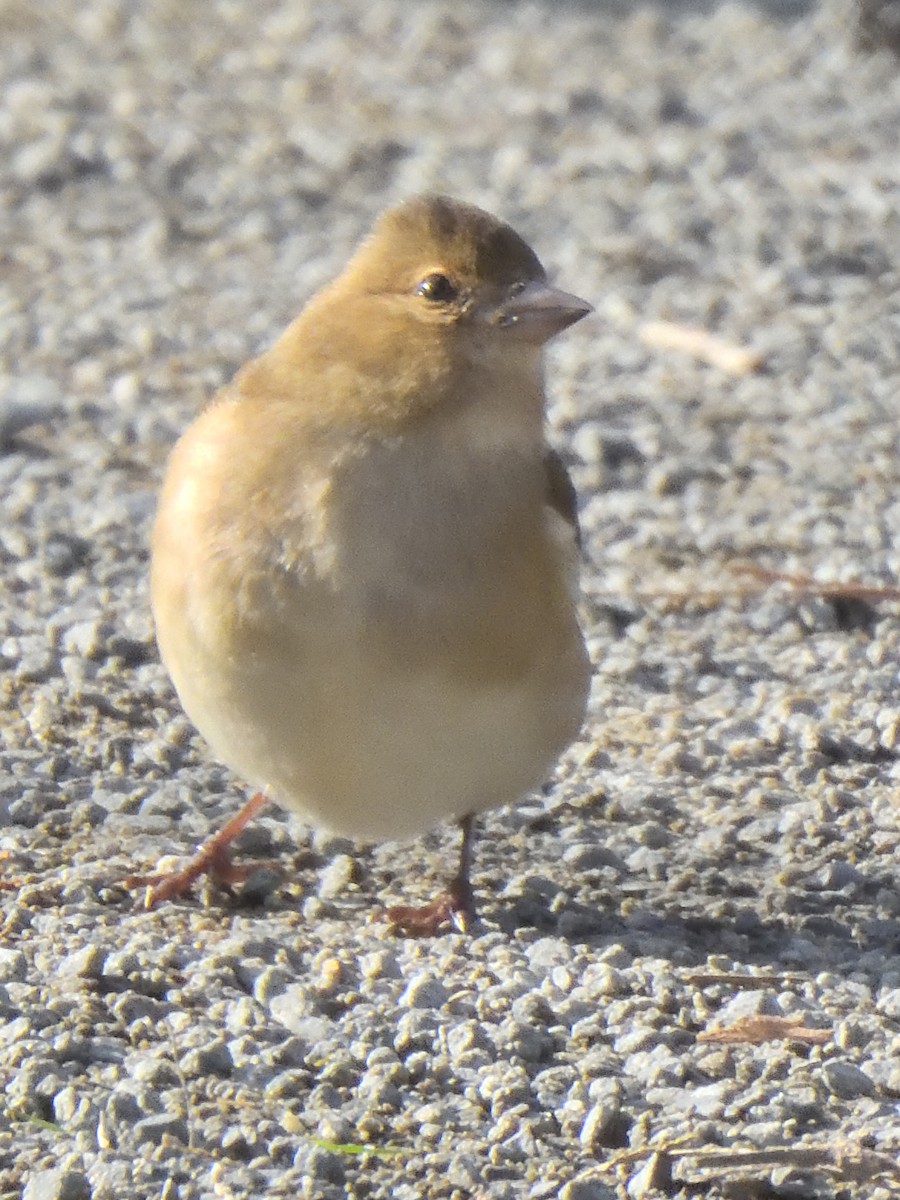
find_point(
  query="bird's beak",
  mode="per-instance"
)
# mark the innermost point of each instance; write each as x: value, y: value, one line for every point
x: 536, y: 311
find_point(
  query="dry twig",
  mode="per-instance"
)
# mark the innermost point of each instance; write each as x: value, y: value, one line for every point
x: 667, y: 335
x: 757, y: 1027
x: 835, y: 590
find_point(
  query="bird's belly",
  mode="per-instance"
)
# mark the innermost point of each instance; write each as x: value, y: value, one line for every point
x: 362, y: 743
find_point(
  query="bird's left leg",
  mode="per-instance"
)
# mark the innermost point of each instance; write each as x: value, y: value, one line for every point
x: 454, y: 908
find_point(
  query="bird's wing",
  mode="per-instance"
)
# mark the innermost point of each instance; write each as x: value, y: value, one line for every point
x: 560, y: 492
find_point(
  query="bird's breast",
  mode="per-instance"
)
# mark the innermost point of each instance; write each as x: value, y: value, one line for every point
x: 400, y: 623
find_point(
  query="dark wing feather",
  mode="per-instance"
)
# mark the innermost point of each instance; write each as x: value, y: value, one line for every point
x: 560, y: 492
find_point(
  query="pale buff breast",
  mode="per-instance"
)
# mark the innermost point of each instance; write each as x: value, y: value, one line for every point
x: 345, y: 734
x: 376, y: 666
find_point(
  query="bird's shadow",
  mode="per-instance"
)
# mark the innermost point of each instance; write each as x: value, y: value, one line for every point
x: 691, y: 940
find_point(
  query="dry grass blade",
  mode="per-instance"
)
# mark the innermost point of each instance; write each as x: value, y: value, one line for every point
x: 843, y: 1160
x: 846, y: 1161
x: 758, y: 1028
x: 738, y: 979
x: 836, y: 590
x: 736, y: 360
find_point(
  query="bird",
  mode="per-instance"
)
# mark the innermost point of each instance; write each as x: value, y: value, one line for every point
x: 365, y: 554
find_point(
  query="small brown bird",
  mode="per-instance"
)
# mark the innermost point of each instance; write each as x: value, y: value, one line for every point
x: 365, y: 554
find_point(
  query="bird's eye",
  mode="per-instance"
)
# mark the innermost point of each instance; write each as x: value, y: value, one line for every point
x: 437, y: 288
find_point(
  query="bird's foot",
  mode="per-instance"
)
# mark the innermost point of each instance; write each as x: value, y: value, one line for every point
x: 213, y: 859
x: 453, y: 909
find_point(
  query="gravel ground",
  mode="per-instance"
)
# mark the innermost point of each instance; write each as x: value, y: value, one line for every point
x: 717, y: 851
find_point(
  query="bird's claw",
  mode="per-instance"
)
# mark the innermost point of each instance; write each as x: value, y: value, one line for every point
x: 453, y: 909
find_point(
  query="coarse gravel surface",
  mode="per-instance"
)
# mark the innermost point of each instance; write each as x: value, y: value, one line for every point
x: 717, y: 851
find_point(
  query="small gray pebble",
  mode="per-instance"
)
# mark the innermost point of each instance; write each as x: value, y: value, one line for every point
x: 464, y: 1171
x: 838, y: 875
x: 85, y: 639
x: 57, y: 1184
x: 271, y: 982
x: 121, y: 962
x: 847, y: 1081
x: 751, y: 1003
x: 587, y: 1187
x: 548, y: 952
x: 288, y: 1085
x: 376, y: 1088
x: 522, y: 1040
x: 16, y: 417
x: 13, y: 964
x: 646, y: 861
x: 153, y: 1129
x: 889, y: 1004
x: 604, y: 981
x: 763, y: 1133
x: 601, y: 1120
x: 653, y: 835
x: 155, y: 1072
x: 124, y: 1109
x: 850, y: 1035
x: 114, y: 1178
x: 380, y: 964
x: 86, y: 963
x: 884, y: 1073
x: 590, y: 856
x: 616, y: 956
x: 235, y: 1144
x: 69, y: 1047
x: 321, y: 1165
x: 654, y: 1177
x: 707, y: 1101
x: 211, y: 1059
x: 337, y: 877
x: 465, y: 1037
x: 334, y: 1128
x: 73, y: 1110
x: 638, y: 1037
x: 423, y: 991
x: 329, y: 845
x: 260, y: 884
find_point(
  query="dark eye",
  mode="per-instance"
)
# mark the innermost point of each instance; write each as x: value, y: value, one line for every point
x: 437, y: 288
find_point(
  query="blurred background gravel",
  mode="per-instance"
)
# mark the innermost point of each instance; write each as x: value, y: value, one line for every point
x: 720, y: 847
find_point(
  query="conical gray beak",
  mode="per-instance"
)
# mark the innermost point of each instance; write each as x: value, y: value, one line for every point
x: 536, y: 311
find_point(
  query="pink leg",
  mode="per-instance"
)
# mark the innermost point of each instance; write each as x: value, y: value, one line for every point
x: 454, y: 908
x: 212, y: 858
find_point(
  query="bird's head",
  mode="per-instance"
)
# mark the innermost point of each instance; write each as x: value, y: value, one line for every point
x: 442, y: 265
x: 442, y: 306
